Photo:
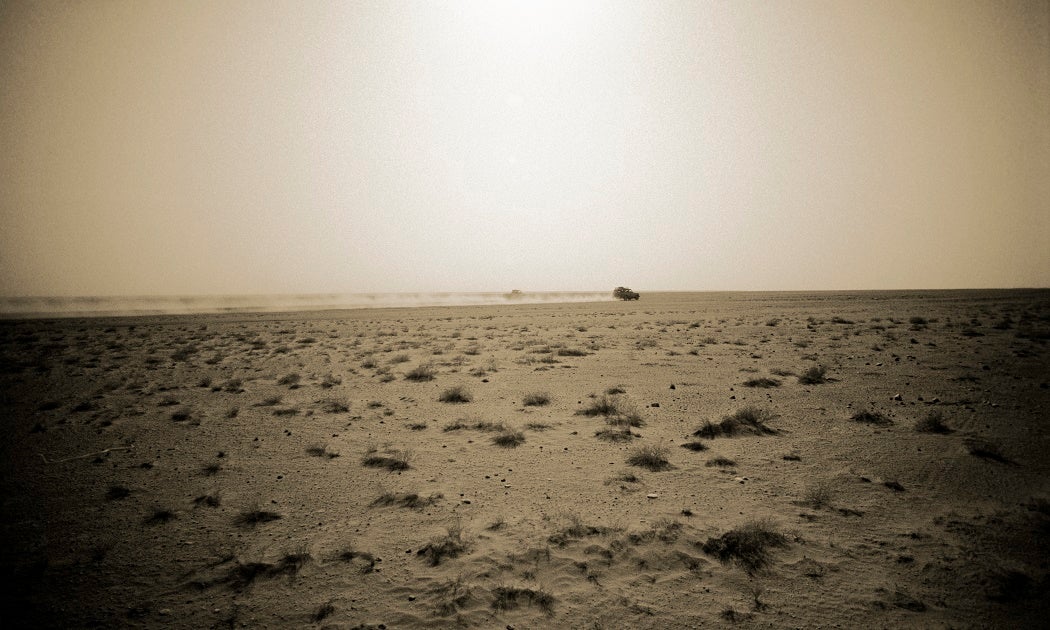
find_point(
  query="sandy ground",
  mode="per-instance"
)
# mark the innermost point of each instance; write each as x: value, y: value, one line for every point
x: 281, y: 470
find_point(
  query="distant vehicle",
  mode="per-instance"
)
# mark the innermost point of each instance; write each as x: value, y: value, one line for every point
x: 515, y: 294
x: 623, y: 293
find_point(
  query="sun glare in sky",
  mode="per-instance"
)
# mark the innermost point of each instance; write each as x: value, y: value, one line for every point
x: 282, y: 147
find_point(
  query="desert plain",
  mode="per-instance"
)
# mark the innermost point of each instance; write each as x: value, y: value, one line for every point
x: 768, y: 460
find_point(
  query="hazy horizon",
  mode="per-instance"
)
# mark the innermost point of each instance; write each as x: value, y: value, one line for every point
x: 243, y: 148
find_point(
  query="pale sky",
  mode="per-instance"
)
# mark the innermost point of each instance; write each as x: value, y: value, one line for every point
x: 227, y: 147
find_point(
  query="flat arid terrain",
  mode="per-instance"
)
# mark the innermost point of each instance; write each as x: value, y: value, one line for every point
x: 867, y: 459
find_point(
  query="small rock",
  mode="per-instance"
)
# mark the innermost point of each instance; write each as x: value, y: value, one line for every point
x: 652, y: 496
x: 654, y: 404
x: 897, y: 397
x: 671, y: 387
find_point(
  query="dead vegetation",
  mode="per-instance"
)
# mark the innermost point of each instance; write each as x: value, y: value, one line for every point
x: 750, y: 420
x: 749, y: 545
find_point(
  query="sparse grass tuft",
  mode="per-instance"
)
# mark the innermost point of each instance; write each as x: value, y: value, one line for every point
x: 602, y: 406
x: 452, y: 545
x: 818, y: 496
x: 159, y: 516
x: 749, y: 545
x: 477, y: 425
x: 871, y: 417
x: 508, y: 438
x: 291, y: 563
x: 393, y: 461
x: 762, y: 382
x: 421, y: 373
x: 537, y: 399
x: 334, y: 406
x: 815, y: 375
x: 750, y: 420
x: 321, y: 450
x: 269, y: 402
x: 291, y: 380
x: 349, y: 555
x: 324, y: 611
x: 254, y: 516
x: 650, y: 457
x: 410, y: 501
x: 454, y: 595
x: 457, y: 394
x: 696, y: 446
x: 626, y: 476
x: 720, y: 462
x: 610, y: 434
x: 181, y: 415
x: 576, y: 529
x: 933, y: 423
x: 572, y: 352
x: 511, y: 597
x: 210, y: 500
x: 989, y: 451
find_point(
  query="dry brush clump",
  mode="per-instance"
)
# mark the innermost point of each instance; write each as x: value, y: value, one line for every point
x: 650, y: 457
x: 536, y: 399
x: 818, y: 496
x: 411, y: 500
x: 509, y: 438
x: 457, y: 394
x: 365, y: 561
x: 933, y: 423
x: 321, y: 450
x: 159, y: 516
x: 453, y: 596
x: 576, y: 529
x: 333, y: 405
x: 988, y: 450
x: 253, y: 516
x: 451, y: 545
x: 748, y: 421
x: 762, y: 382
x: 476, y: 425
x: 394, y: 461
x: 242, y: 574
x: 815, y: 375
x: 602, y: 406
x: 291, y: 380
x: 421, y: 373
x: 749, y: 545
x: 511, y: 597
x: 720, y: 462
x: 618, y: 412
